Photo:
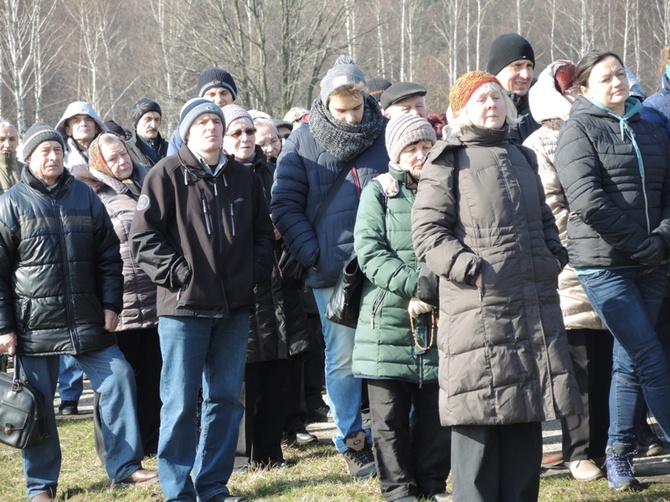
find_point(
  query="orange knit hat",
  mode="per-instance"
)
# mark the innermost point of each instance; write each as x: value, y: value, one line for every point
x: 467, y: 84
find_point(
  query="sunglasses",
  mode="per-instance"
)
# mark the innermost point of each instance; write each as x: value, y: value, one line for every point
x: 239, y: 132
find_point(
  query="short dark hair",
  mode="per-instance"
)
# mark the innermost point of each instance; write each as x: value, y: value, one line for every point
x: 586, y: 64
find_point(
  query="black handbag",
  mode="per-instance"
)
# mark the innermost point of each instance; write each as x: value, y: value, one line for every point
x: 345, y: 302
x: 287, y: 264
x: 22, y: 417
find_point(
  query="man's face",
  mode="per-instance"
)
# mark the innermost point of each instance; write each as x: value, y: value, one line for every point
x: 82, y: 129
x: 268, y: 139
x: 240, y: 139
x: 411, y: 105
x: 205, y: 134
x: 147, y: 126
x: 9, y: 138
x: 46, y: 161
x: 220, y: 96
x: 347, y: 109
x: 517, y: 76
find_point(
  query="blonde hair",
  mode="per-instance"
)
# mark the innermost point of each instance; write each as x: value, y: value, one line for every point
x: 461, y: 121
x: 354, y: 91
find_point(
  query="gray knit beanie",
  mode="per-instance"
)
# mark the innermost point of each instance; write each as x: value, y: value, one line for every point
x: 234, y: 112
x: 405, y: 130
x: 38, y: 133
x: 192, y: 110
x: 344, y: 72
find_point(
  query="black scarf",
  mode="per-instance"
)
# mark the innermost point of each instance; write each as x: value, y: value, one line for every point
x: 345, y: 141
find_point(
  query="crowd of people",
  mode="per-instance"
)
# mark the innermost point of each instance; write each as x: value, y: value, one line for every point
x: 514, y: 249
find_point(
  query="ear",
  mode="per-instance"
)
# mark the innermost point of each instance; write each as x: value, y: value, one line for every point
x: 583, y: 89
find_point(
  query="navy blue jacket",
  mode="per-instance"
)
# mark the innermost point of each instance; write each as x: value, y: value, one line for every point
x: 305, y: 172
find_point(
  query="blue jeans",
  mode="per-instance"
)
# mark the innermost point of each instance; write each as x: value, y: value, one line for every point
x: 211, y: 352
x: 344, y: 390
x: 112, y: 377
x: 629, y: 304
x: 70, y: 379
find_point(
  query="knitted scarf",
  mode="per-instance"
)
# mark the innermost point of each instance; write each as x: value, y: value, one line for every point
x: 345, y: 141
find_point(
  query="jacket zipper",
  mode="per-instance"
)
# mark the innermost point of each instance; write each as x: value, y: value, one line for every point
x: 205, y: 212
x: 69, y: 307
x: 375, y: 305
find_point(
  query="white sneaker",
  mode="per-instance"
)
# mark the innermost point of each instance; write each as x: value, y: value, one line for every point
x: 584, y: 470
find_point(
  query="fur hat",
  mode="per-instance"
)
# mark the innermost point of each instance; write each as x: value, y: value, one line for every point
x: 464, y: 87
x: 192, y: 110
x: 215, y: 77
x: 506, y: 49
x: 405, y: 130
x: 344, y: 72
x: 38, y: 133
x: 142, y: 106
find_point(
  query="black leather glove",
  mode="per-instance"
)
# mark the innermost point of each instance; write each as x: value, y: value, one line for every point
x: 651, y: 252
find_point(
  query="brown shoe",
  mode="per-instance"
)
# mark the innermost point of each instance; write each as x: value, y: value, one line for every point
x: 550, y: 460
x: 140, y: 477
x: 42, y: 497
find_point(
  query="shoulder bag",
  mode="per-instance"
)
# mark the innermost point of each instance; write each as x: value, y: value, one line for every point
x: 22, y: 417
x: 287, y: 264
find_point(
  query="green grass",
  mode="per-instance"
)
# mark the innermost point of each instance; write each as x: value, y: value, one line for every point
x: 316, y: 473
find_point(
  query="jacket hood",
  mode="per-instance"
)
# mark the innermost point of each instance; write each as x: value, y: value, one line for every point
x: 584, y: 105
x: 79, y: 108
x: 545, y: 101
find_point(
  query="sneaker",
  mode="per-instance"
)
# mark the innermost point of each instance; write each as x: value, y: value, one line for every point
x: 619, y: 464
x: 320, y: 414
x: 68, y: 408
x: 584, y: 470
x: 358, y: 456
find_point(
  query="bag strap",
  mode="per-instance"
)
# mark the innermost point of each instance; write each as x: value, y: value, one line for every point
x: 331, y: 194
x: 17, y: 367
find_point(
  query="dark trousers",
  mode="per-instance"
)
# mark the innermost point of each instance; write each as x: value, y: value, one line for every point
x: 585, y: 435
x: 142, y: 350
x: 266, y: 387
x: 496, y: 462
x: 314, y: 366
x: 412, y: 456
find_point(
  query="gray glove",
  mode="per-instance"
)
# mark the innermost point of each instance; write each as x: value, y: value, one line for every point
x: 651, y: 252
x: 416, y: 307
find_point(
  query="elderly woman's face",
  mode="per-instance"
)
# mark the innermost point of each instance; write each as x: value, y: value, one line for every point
x: 412, y: 156
x: 240, y: 139
x: 486, y: 107
x: 117, y: 159
x: 608, y: 84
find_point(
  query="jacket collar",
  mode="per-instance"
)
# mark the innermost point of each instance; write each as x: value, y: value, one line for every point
x: 64, y: 181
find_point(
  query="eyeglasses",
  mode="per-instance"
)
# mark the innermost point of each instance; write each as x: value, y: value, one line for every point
x: 272, y: 142
x: 237, y: 134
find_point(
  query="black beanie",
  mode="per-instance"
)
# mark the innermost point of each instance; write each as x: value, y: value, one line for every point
x: 142, y: 106
x: 215, y: 77
x: 506, y: 49
x: 38, y: 133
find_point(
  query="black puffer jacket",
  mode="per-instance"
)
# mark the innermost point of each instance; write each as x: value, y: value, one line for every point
x: 528, y: 125
x: 59, y: 267
x: 615, y: 201
x: 278, y: 327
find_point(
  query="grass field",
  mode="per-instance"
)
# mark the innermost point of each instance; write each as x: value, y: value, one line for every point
x: 316, y: 473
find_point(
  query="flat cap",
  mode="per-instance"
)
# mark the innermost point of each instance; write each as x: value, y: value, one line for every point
x: 400, y: 90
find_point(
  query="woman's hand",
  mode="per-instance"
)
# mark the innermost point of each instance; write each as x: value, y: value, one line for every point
x: 478, y: 281
x: 8, y: 344
x: 111, y: 320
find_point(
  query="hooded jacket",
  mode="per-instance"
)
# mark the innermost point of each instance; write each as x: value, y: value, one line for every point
x: 480, y: 209
x: 59, y: 267
x: 550, y: 109
x: 74, y: 158
x: 139, y: 293
x: 614, y: 171
x: 204, y: 239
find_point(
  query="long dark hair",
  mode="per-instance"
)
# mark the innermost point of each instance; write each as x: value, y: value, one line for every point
x: 586, y: 64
